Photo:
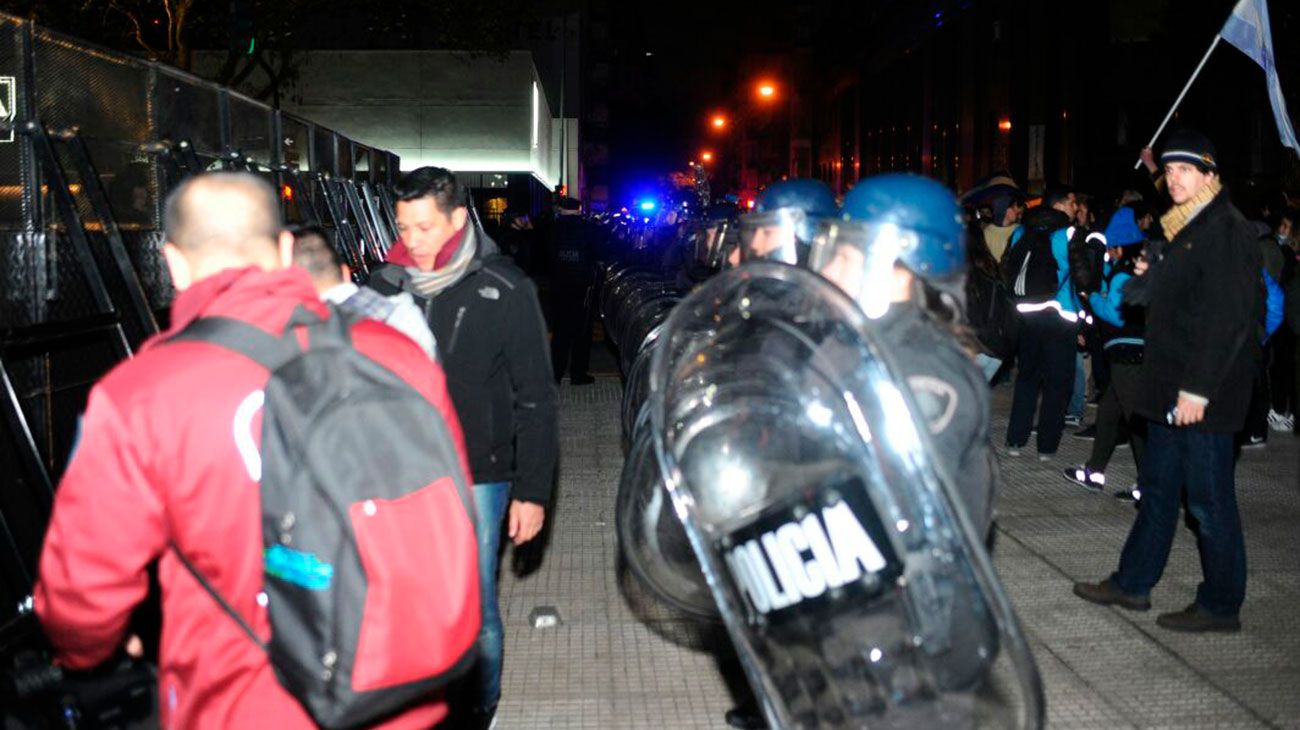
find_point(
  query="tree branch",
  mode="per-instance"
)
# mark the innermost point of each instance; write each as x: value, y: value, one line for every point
x: 135, y: 23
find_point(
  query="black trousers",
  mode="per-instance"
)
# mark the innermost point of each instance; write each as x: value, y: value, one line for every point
x: 1045, y: 362
x: 1257, y: 415
x: 1282, y: 371
x: 571, y: 345
x: 1100, y: 365
x: 1115, y: 416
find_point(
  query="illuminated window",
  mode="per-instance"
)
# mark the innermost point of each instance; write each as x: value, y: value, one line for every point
x: 495, y: 209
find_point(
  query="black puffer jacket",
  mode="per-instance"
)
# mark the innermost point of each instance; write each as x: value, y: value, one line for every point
x: 493, y: 345
x: 1205, y: 303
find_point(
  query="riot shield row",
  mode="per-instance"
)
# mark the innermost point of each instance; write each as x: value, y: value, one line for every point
x: 776, y: 481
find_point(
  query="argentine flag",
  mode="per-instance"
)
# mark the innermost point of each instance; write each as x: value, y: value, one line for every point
x: 1249, y: 31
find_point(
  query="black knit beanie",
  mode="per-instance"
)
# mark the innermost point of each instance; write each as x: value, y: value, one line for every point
x: 1187, y: 145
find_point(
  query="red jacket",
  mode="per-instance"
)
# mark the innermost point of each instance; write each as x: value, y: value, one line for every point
x: 157, y: 463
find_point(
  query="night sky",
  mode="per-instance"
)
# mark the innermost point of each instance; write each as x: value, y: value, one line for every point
x: 698, y: 48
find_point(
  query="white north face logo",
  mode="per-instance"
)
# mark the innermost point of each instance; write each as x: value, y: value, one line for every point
x: 490, y: 292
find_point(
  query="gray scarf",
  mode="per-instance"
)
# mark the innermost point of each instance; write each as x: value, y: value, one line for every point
x: 429, y: 284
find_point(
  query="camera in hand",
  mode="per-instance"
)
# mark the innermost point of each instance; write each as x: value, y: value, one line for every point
x: 37, y: 695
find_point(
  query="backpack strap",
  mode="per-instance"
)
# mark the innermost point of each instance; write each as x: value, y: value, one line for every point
x: 252, y: 342
x: 221, y: 601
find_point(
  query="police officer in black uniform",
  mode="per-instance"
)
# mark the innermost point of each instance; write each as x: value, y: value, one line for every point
x: 573, y: 245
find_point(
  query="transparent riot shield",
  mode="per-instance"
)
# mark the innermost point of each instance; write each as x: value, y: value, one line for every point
x: 636, y: 385
x: 851, y: 581
x: 654, y: 545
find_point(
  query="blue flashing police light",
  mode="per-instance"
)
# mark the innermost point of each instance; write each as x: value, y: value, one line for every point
x: 647, y: 205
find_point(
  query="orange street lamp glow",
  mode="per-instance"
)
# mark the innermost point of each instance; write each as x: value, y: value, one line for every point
x: 719, y: 121
x: 707, y: 157
x: 1004, y: 125
x: 766, y: 90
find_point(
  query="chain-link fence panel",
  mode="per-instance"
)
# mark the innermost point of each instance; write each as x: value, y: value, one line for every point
x: 324, y: 158
x: 15, y: 154
x: 345, y: 161
x: 360, y: 163
x: 252, y: 130
x: 295, y: 141
x: 110, y: 109
x: 379, y: 161
x: 186, y: 108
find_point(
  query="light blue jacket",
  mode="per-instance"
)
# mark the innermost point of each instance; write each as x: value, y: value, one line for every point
x: 1066, y: 300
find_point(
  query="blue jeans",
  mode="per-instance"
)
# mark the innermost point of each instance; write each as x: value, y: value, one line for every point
x: 490, y: 502
x: 1202, y: 463
x: 989, y: 364
x: 1080, y: 388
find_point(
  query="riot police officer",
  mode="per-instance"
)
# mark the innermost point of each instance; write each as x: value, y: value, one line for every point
x: 796, y: 431
x: 784, y: 221
x: 916, y: 224
x: 896, y: 248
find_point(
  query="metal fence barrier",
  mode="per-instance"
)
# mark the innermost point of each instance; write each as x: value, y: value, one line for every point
x: 91, y: 141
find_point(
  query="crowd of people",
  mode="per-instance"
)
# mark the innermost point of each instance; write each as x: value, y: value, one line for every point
x: 1173, y: 304
x: 1165, y: 305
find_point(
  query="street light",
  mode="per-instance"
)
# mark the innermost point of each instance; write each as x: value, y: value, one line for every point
x: 707, y: 156
x: 719, y: 122
x: 766, y: 90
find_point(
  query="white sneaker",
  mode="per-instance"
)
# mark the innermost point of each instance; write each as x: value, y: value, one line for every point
x: 1281, y: 422
x: 1132, y: 494
x: 1085, y: 477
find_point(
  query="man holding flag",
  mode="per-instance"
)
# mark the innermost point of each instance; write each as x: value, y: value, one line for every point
x: 1248, y: 29
x: 1203, y: 306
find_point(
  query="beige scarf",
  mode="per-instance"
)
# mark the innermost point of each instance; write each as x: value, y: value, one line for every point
x: 1180, y: 215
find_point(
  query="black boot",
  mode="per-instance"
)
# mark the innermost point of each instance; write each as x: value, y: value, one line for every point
x: 746, y: 717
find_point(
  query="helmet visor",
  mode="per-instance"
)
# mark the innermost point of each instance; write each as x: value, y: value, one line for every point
x: 772, y: 236
x: 859, y: 258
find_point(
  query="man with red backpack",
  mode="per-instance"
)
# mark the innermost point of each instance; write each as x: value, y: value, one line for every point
x: 190, y: 457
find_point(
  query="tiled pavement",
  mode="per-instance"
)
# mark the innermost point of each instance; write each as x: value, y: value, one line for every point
x: 618, y: 662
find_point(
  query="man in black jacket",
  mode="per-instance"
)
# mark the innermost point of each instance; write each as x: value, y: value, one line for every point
x: 484, y: 314
x: 1204, y: 306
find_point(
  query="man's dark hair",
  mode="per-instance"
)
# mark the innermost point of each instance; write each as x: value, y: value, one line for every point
x: 312, y: 251
x: 1056, y: 195
x: 435, y: 182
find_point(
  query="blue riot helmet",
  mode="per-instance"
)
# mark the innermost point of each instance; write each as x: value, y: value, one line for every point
x: 785, y: 220
x: 888, y: 220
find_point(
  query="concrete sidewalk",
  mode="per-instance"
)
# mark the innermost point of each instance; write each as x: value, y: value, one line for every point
x: 619, y: 662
